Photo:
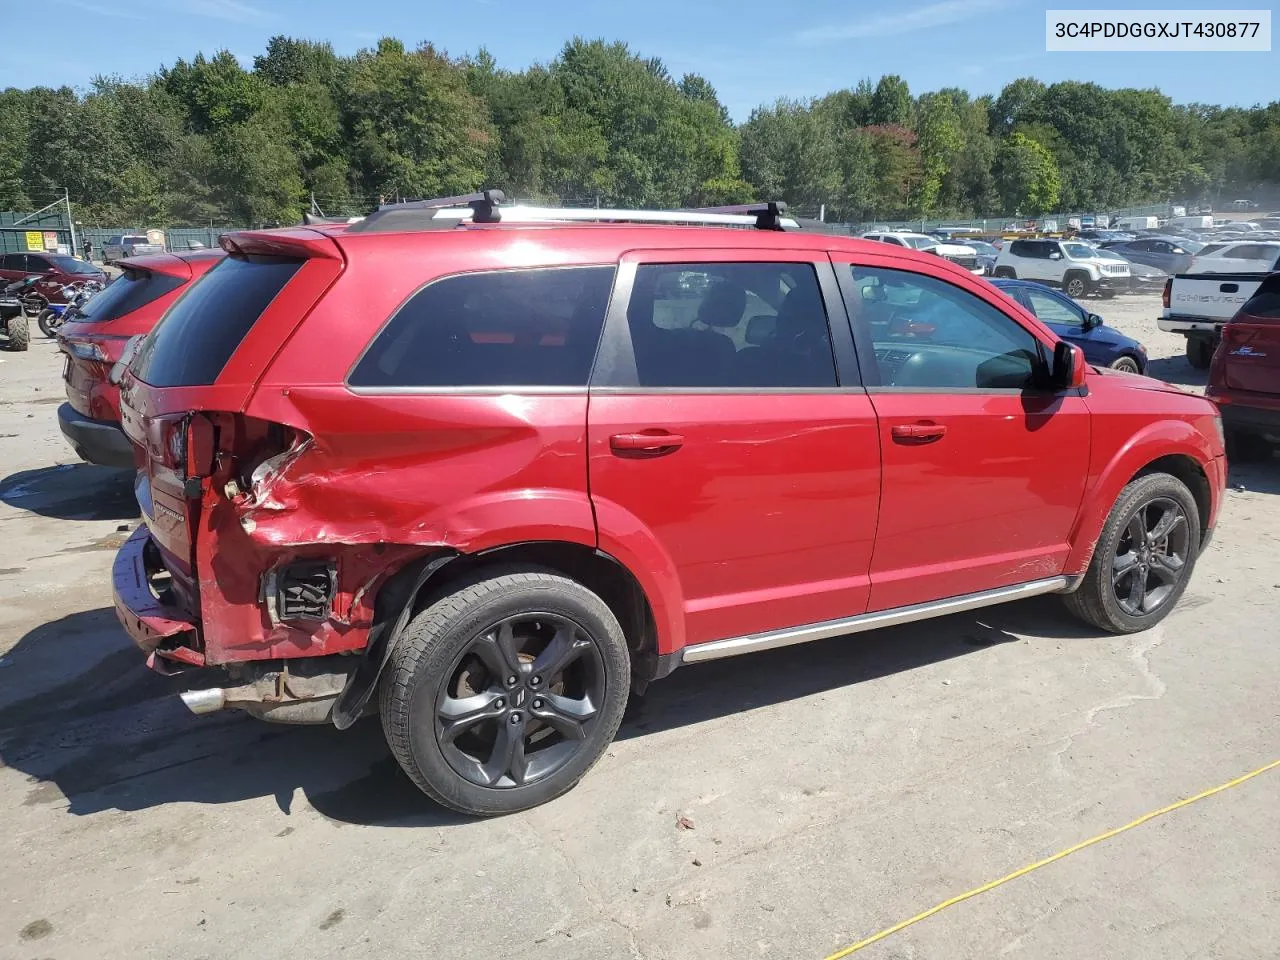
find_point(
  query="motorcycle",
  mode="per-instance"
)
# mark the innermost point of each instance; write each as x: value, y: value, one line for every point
x: 52, y: 316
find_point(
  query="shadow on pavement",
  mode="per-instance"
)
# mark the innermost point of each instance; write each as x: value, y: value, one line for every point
x: 1177, y: 370
x: 94, y: 729
x: 72, y: 491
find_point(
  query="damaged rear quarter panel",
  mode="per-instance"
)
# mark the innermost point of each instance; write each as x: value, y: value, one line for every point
x: 379, y: 481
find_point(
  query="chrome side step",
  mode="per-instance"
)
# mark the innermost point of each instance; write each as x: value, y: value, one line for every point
x: 733, y: 646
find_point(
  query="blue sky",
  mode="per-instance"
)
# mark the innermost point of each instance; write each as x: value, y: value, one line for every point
x: 751, y: 50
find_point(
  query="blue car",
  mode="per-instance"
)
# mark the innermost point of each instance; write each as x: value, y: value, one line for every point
x: 1103, y: 346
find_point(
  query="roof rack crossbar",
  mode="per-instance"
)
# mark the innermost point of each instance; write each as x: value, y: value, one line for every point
x: 418, y: 214
x: 768, y: 213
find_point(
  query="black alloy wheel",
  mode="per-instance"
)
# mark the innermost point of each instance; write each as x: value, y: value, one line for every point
x: 521, y: 700
x: 1150, y: 557
x: 1143, y: 559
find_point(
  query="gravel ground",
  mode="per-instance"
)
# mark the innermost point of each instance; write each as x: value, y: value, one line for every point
x: 832, y: 789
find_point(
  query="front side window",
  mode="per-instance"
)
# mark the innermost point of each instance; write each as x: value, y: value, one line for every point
x: 1052, y: 310
x: 527, y: 328
x: 37, y: 264
x: 730, y: 325
x: 72, y: 265
x: 930, y: 335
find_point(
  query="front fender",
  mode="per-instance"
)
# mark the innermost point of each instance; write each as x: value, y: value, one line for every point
x: 1162, y: 438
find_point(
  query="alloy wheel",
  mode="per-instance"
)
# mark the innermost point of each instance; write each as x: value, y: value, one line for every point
x: 1151, y: 557
x: 1075, y: 287
x: 1126, y: 365
x: 520, y: 701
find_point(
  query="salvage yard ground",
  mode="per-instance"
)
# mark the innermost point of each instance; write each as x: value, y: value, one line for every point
x: 781, y: 805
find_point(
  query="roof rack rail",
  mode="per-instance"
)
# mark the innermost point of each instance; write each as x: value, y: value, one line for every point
x: 448, y: 212
x: 768, y: 214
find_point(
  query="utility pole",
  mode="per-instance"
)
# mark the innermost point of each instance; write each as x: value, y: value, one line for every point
x: 71, y: 224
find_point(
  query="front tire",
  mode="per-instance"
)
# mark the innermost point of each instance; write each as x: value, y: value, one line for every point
x: 1143, y: 559
x: 502, y: 694
x: 1126, y: 364
x: 1076, y: 286
x: 19, y: 333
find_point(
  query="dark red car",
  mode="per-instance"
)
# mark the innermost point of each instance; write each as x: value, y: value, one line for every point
x: 97, y: 337
x: 1244, y: 377
x: 486, y: 478
x: 56, y: 271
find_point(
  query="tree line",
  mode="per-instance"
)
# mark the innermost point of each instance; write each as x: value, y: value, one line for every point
x: 207, y: 140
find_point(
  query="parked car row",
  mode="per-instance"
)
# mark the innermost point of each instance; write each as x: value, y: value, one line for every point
x: 372, y: 483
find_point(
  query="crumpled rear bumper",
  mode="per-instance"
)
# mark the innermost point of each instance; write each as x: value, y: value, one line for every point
x: 163, y: 632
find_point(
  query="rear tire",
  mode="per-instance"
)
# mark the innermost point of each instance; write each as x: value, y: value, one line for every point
x: 19, y: 332
x: 1199, y: 352
x: 1134, y: 581
x: 471, y: 715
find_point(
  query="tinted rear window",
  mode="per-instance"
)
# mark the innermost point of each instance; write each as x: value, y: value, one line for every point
x: 196, y: 337
x: 503, y: 328
x: 129, y: 291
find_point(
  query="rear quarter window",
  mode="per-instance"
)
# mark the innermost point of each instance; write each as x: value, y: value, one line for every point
x: 129, y: 291
x: 1265, y: 303
x: 198, y: 334
x: 536, y: 327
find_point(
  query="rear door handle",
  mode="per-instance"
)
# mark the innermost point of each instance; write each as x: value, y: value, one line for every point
x: 918, y: 432
x: 646, y: 442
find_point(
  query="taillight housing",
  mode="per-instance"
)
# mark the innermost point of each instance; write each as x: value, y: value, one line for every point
x: 1168, y: 289
x: 187, y: 445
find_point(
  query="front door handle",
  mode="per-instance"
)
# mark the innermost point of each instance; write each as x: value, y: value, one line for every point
x: 918, y: 432
x: 655, y: 443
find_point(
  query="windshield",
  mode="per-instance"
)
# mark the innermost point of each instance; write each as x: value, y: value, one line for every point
x: 1079, y: 251
x: 1104, y: 254
x: 72, y: 265
x: 1191, y: 246
x: 981, y: 246
x: 917, y: 240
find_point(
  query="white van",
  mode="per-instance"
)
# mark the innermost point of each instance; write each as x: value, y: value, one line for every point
x: 1191, y: 223
x: 1137, y: 223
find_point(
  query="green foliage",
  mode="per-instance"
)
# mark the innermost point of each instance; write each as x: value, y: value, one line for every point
x: 208, y: 140
x: 1027, y: 176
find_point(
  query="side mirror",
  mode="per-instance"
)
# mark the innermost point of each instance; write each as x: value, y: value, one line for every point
x: 1055, y: 255
x: 1092, y: 320
x: 1068, y: 366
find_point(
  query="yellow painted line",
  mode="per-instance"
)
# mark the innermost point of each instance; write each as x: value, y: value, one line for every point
x: 889, y: 931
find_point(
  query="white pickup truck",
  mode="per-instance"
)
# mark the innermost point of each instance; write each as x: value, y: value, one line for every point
x: 1197, y: 305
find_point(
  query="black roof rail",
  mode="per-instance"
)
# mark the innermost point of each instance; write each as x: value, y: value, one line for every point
x: 768, y: 213
x: 419, y: 214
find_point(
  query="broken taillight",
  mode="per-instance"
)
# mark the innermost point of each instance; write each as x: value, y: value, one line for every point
x: 188, y: 445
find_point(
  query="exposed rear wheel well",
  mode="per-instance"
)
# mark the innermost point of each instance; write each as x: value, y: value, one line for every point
x: 601, y: 574
x: 1193, y: 477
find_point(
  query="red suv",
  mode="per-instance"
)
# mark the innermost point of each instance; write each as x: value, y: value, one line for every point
x: 1244, y: 377
x: 484, y: 477
x: 97, y: 336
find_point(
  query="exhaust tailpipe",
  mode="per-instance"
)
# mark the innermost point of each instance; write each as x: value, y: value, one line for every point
x: 204, y: 701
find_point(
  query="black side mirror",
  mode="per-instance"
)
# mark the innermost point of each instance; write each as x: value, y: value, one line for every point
x: 1092, y: 320
x: 1068, y: 366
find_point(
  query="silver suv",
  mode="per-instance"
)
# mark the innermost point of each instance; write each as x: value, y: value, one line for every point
x: 1070, y: 264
